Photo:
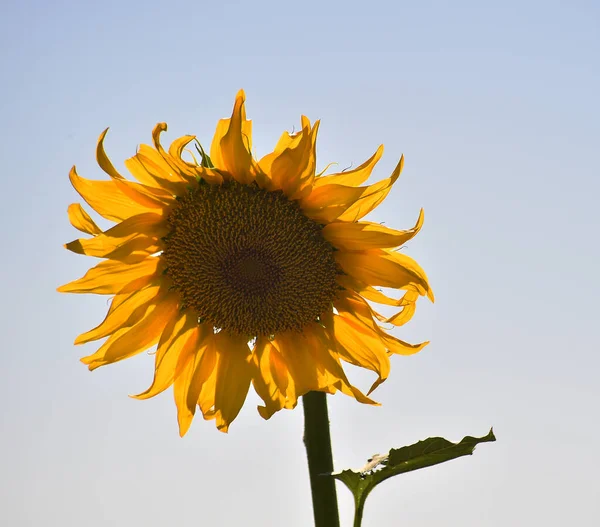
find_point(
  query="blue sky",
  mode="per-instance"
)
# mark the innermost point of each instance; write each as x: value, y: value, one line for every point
x: 495, y: 107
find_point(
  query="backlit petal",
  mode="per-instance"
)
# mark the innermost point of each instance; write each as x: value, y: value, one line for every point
x: 354, y: 177
x: 272, y: 381
x: 150, y: 197
x: 147, y: 168
x: 408, y: 301
x: 292, y: 169
x: 106, y: 198
x: 178, y: 331
x: 231, y: 148
x: 362, y: 347
x: 81, y: 220
x: 384, y: 268
x: 233, y: 377
x: 130, y: 341
x: 353, y: 307
x: 110, y: 277
x: 329, y: 202
x: 194, y: 367
x: 126, y: 314
x: 372, y: 196
x: 324, y: 352
x: 365, y: 235
x: 295, y: 350
x: 146, y: 228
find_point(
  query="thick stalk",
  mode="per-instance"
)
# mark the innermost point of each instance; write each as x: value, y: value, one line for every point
x: 317, y: 441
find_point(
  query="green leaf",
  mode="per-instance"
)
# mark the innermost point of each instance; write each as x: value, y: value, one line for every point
x: 423, y: 454
x: 206, y: 162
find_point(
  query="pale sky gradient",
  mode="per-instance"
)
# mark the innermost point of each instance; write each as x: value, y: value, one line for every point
x: 496, y: 108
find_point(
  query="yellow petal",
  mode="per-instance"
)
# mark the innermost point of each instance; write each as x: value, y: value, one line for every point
x: 329, y: 202
x: 106, y: 198
x: 370, y: 293
x: 353, y: 177
x: 384, y: 268
x: 81, y: 220
x: 357, y: 311
x: 325, y: 357
x: 372, y: 196
x: 233, y: 377
x: 130, y: 289
x: 195, y: 366
x: 176, y: 150
x: 231, y: 149
x: 292, y: 169
x: 150, y: 197
x: 150, y: 169
x: 362, y: 347
x: 181, y: 384
x: 272, y: 380
x: 130, y: 341
x: 408, y: 301
x: 103, y: 159
x: 110, y: 277
x: 345, y: 203
x: 407, y: 312
x: 126, y: 314
x: 206, y: 400
x: 204, y: 366
x: 146, y: 229
x: 178, y: 331
x: 295, y: 350
x: 365, y: 235
x: 174, y: 170
x: 399, y: 347
x: 288, y: 141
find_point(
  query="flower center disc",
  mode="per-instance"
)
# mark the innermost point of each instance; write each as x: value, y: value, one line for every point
x: 248, y: 260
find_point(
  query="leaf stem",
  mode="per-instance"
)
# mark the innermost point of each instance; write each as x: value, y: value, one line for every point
x: 358, y: 512
x: 317, y: 441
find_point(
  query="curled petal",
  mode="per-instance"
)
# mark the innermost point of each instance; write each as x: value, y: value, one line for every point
x: 81, y: 220
x: 150, y: 197
x: 148, y: 167
x: 372, y: 196
x: 365, y: 235
x: 408, y: 301
x: 362, y: 347
x: 272, y: 381
x: 353, y: 177
x: 328, y: 203
x: 106, y: 198
x: 384, y: 268
x: 354, y: 308
x: 324, y: 351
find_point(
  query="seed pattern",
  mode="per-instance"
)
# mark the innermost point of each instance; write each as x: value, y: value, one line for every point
x: 248, y: 260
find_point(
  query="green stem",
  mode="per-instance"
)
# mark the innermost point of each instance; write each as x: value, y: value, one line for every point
x: 358, y: 513
x: 320, y: 460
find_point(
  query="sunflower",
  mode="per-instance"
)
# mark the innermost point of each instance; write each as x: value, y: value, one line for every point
x: 242, y: 271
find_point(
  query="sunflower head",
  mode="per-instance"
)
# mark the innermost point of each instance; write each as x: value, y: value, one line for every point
x: 243, y: 271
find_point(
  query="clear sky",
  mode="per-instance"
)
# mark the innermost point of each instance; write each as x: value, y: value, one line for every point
x: 495, y: 106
